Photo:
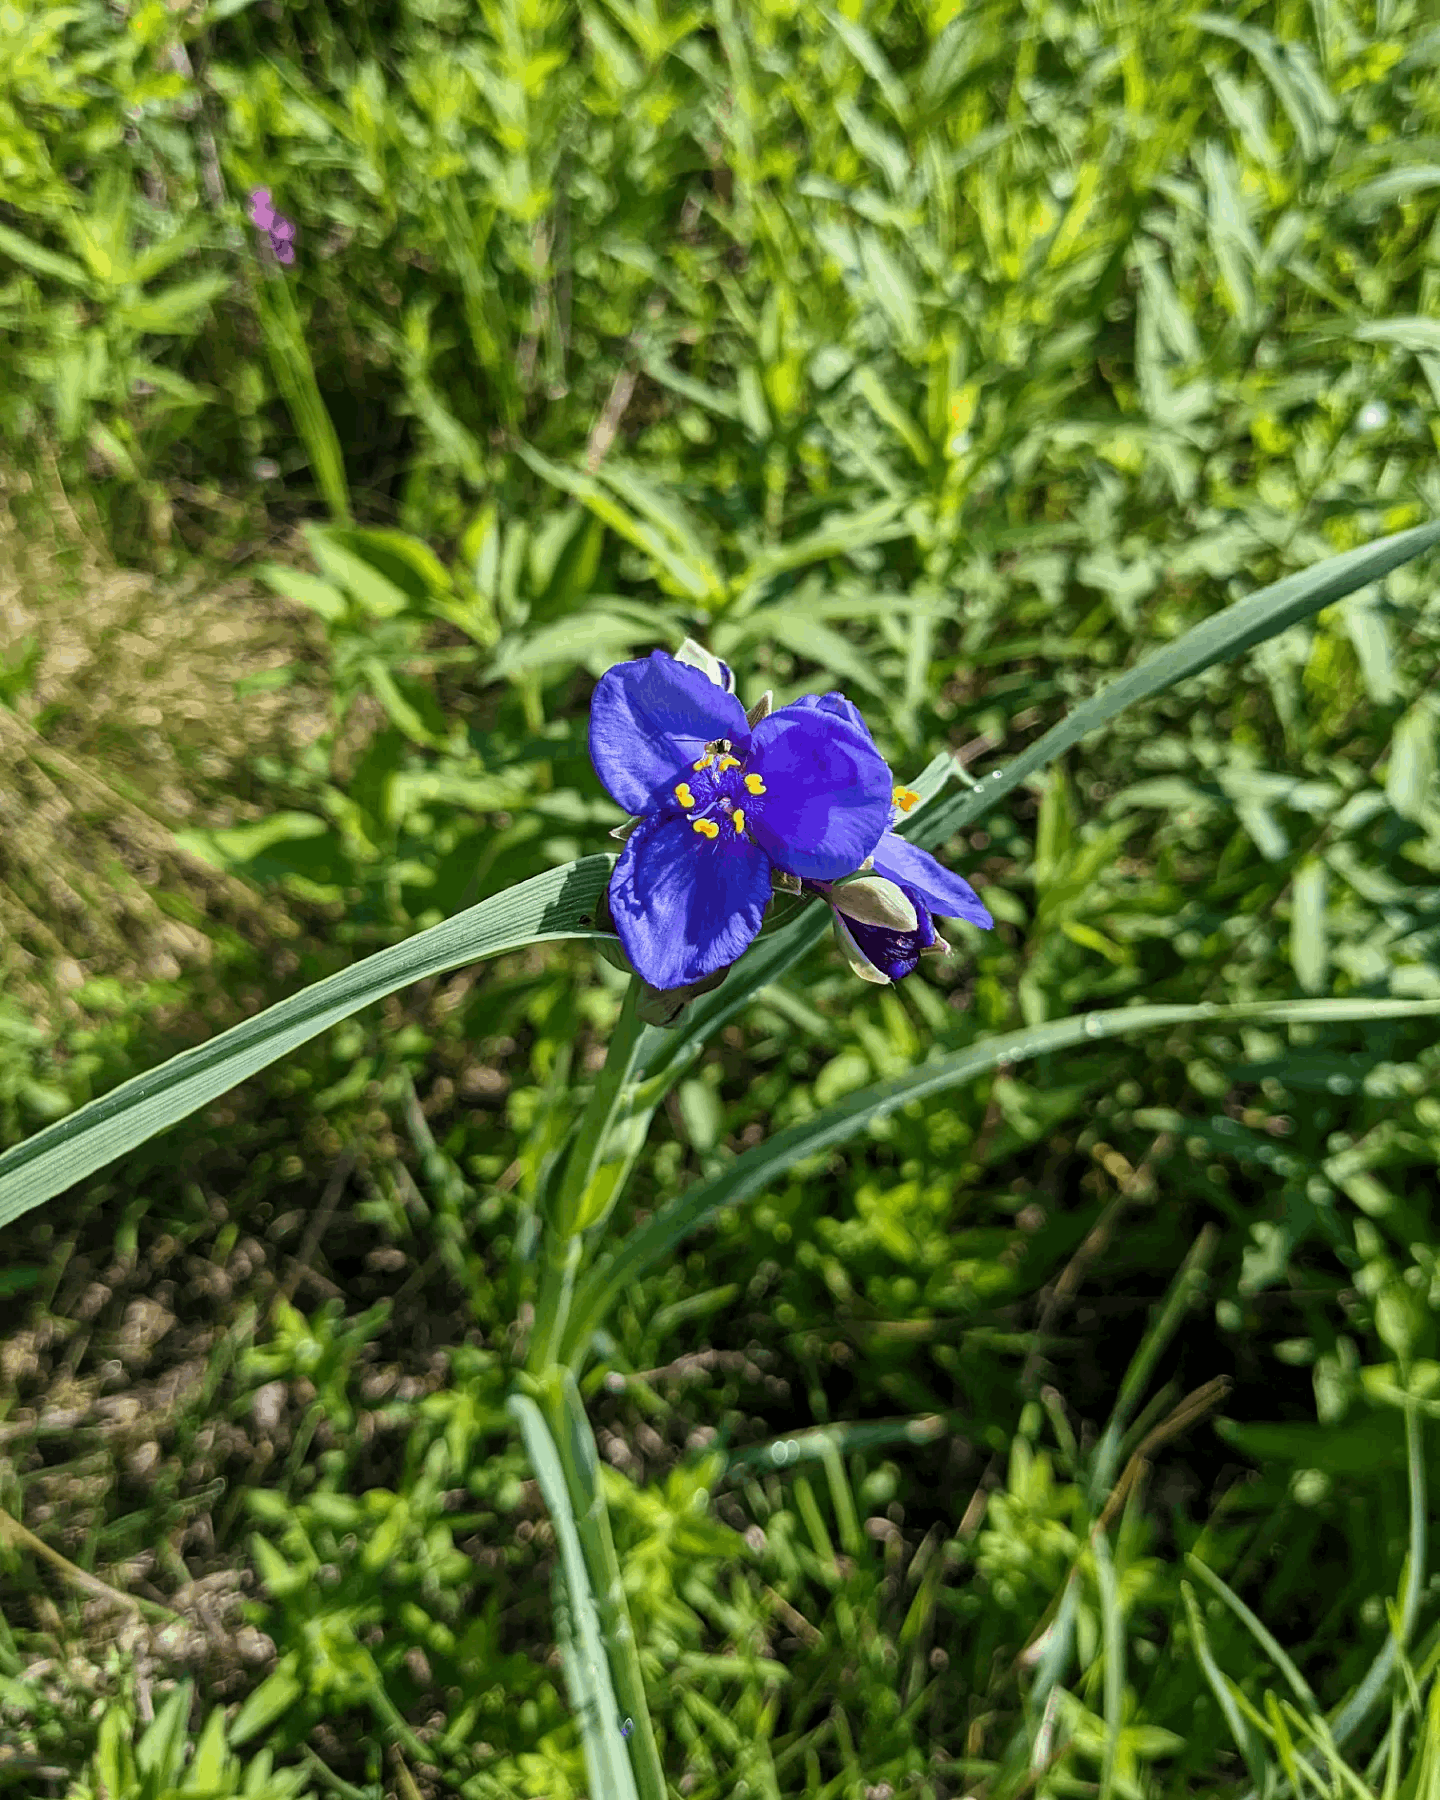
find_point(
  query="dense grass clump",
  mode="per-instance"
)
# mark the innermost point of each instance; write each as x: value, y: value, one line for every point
x: 1068, y: 1431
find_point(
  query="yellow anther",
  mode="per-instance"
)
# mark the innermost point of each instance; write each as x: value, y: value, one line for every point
x: 683, y: 794
x: 738, y: 817
x: 704, y: 762
x: 728, y: 762
x: 755, y: 784
x: 706, y: 827
x: 905, y: 798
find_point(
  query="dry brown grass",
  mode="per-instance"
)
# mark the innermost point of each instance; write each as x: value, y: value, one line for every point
x: 129, y: 730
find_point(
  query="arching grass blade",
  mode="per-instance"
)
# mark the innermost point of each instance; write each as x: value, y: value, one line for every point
x: 756, y: 1169
x: 558, y: 904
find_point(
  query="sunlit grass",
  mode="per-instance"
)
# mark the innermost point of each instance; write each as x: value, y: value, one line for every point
x: 953, y: 357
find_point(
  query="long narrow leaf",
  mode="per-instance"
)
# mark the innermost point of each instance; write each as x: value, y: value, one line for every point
x: 558, y: 904
x: 36, y: 257
x: 1262, y: 1635
x: 294, y: 374
x: 580, y: 1461
x: 1353, y: 1714
x: 1229, y: 634
x: 688, y: 569
x: 1178, y: 1301
x: 587, y: 1667
x: 1241, y: 1730
x: 1113, y: 1630
x: 1239, y: 628
x: 756, y: 1169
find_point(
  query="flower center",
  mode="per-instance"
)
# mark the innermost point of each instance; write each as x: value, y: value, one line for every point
x: 716, y: 798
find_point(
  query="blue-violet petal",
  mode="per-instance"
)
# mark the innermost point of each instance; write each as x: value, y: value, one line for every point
x: 827, y: 793
x: 929, y: 883
x: 685, y: 905
x: 836, y: 705
x: 650, y: 719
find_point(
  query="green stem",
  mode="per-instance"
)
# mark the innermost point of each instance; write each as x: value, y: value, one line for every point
x: 583, y: 1197
x: 580, y: 1461
x: 552, y: 1310
x: 294, y: 372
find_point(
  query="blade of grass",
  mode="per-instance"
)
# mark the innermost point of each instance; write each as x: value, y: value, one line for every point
x: 755, y: 1169
x: 1229, y: 634
x: 1241, y: 1730
x: 581, y: 1462
x: 844, y: 1440
x: 1402, y: 1706
x: 1054, y: 1658
x: 295, y: 377
x: 1300, y: 1687
x: 689, y: 572
x: 1183, y: 1291
x: 1315, y: 1729
x: 557, y: 904
x: 1113, y: 1635
x: 582, y: 1648
x: 1357, y: 1709
x: 878, y: 524
x: 1362, y: 1702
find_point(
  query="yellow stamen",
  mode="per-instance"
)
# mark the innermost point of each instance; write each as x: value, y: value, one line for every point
x: 728, y: 762
x: 738, y: 816
x: 755, y: 784
x: 683, y: 794
x: 706, y: 827
x: 905, y: 798
x: 704, y: 762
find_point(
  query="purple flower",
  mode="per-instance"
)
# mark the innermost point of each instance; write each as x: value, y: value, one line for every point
x: 279, y: 230
x: 883, y: 915
x: 720, y: 805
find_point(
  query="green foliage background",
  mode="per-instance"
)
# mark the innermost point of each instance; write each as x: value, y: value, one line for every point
x: 955, y: 355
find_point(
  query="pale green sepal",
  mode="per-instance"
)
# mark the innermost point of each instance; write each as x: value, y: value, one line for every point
x: 873, y: 901
x: 860, y: 963
x: 623, y: 831
x: 783, y: 883
x: 698, y: 657
x: 761, y: 709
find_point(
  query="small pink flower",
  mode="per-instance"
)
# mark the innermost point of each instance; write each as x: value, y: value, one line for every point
x: 279, y: 231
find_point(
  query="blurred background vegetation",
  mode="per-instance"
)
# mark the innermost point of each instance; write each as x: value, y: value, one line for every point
x: 954, y: 353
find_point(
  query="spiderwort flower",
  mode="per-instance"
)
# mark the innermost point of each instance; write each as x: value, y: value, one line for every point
x: 279, y: 230
x: 883, y: 914
x: 723, y: 800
